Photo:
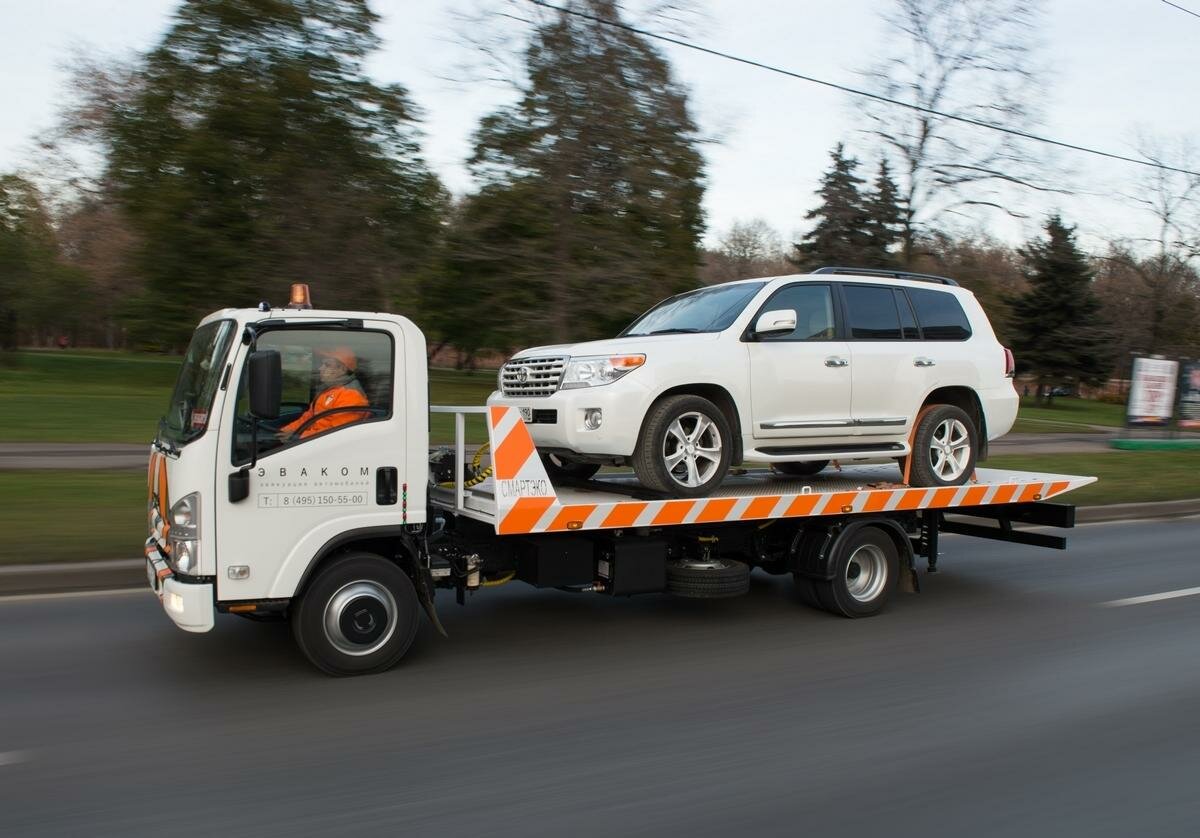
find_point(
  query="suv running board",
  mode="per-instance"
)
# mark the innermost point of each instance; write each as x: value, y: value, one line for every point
x: 894, y: 449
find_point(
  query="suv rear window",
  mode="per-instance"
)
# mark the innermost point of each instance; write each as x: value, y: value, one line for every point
x: 940, y: 314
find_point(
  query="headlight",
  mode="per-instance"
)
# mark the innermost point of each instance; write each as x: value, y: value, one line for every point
x: 184, y: 536
x: 597, y: 370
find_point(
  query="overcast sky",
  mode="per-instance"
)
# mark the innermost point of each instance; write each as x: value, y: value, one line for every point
x: 1117, y: 67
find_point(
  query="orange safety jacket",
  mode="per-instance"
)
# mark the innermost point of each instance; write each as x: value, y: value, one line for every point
x: 339, y: 395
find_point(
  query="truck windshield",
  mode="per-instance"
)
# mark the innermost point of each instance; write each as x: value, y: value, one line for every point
x: 187, y: 414
x: 706, y: 310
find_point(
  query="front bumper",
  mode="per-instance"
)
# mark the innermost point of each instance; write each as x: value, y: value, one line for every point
x: 188, y: 604
x: 623, y: 403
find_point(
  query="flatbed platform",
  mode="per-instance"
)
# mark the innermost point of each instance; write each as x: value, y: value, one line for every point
x: 520, y: 499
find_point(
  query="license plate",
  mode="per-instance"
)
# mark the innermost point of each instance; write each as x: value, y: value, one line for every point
x: 526, y: 414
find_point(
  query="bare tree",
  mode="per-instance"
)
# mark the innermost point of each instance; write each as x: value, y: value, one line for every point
x: 972, y: 59
x: 747, y: 249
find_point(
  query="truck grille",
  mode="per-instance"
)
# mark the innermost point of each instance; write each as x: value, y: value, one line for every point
x: 532, y: 376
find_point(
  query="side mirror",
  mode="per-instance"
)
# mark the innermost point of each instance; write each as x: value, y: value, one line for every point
x: 265, y: 383
x: 775, y: 322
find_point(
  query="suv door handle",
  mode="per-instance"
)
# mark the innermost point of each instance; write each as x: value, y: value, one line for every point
x: 923, y: 362
x: 835, y: 361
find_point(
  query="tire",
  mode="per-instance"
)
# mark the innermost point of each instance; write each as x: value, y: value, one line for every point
x: 358, y: 616
x: 866, y: 570
x: 559, y: 469
x: 684, y: 448
x: 707, y: 578
x: 945, y: 447
x: 800, y: 469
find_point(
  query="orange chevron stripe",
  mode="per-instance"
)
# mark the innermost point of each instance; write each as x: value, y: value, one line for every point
x: 1004, y: 493
x: 624, y: 514
x: 674, y: 511
x: 838, y: 500
x: 568, y: 514
x: 974, y: 496
x: 802, y: 505
x: 716, y: 510
x: 1057, y: 488
x: 512, y: 452
x: 911, y: 499
x: 760, y: 507
x: 943, y: 497
x: 524, y: 515
x: 1032, y: 489
x: 876, y: 501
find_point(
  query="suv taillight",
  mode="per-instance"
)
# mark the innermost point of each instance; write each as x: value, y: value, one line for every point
x: 1010, y: 363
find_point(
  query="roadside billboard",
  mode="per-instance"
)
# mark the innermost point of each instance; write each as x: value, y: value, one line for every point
x: 1152, y: 393
x: 1189, y: 395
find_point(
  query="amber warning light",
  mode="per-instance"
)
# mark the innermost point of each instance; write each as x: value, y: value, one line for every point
x: 299, y: 298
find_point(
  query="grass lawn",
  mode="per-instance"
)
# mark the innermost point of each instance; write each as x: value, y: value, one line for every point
x: 1068, y: 411
x: 54, y: 516
x: 96, y: 396
x: 1125, y: 476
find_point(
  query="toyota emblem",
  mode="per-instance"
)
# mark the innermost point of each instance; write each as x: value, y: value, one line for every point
x: 522, y: 374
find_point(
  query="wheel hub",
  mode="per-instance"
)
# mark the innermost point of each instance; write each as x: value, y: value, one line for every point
x: 360, y: 618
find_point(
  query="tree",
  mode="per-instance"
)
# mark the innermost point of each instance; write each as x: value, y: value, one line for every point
x: 249, y: 150
x: 598, y: 159
x: 884, y: 220
x: 1058, y: 334
x: 840, y: 232
x: 961, y: 58
x: 747, y: 249
x: 992, y: 271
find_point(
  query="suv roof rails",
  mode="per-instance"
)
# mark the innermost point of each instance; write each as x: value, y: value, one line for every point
x: 941, y: 280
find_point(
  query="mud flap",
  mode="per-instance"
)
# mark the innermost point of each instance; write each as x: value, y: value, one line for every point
x: 423, y: 582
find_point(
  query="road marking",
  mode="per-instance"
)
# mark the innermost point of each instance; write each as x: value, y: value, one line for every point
x: 1140, y: 600
x: 73, y: 595
x: 13, y: 757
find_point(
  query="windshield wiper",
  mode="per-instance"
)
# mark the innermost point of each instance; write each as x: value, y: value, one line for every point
x: 667, y: 332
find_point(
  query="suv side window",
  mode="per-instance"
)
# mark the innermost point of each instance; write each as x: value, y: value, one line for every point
x: 871, y: 312
x: 940, y: 314
x: 332, y: 380
x: 813, y: 305
x: 908, y: 321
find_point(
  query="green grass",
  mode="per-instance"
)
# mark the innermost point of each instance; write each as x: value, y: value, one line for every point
x: 56, y: 516
x: 1069, y: 411
x: 1125, y: 476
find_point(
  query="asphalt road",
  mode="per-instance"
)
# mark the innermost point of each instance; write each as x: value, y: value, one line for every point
x: 1002, y: 700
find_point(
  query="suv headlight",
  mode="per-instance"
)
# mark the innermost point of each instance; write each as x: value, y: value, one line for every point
x: 184, y: 536
x: 597, y: 370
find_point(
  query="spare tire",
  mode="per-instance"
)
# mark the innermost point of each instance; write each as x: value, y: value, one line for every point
x: 707, y: 578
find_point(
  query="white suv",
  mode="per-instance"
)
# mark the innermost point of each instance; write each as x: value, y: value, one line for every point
x: 840, y: 364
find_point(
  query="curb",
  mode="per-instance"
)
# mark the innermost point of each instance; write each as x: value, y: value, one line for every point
x: 110, y: 574
x: 1155, y: 444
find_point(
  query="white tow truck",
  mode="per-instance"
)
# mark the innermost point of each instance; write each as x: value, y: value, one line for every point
x: 292, y: 478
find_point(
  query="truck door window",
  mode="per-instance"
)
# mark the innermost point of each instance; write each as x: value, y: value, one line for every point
x: 333, y: 380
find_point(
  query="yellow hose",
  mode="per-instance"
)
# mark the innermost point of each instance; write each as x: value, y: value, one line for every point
x: 495, y: 583
x: 480, y: 476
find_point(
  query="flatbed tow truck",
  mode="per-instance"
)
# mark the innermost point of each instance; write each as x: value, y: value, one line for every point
x: 350, y: 532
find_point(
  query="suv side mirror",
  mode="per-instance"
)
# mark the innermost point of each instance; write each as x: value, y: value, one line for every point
x: 265, y: 383
x: 774, y: 322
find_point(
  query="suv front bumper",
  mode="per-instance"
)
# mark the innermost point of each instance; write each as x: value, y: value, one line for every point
x: 623, y: 405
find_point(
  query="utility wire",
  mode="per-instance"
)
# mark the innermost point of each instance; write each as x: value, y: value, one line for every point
x: 856, y: 92
x: 1181, y: 8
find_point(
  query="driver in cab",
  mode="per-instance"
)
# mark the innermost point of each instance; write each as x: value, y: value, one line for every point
x: 339, y: 389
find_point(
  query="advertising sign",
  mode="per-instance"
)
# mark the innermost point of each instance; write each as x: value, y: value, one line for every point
x: 1152, y: 393
x: 1189, y: 395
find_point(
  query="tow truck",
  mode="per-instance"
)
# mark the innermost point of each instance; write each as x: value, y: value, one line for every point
x: 350, y: 528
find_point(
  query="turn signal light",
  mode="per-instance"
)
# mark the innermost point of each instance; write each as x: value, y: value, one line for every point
x: 299, y: 297
x: 1010, y: 363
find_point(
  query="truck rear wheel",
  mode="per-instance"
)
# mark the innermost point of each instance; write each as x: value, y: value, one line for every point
x: 865, y: 565
x: 358, y: 616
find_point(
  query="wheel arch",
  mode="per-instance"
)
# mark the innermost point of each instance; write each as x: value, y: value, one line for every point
x: 722, y: 398
x: 966, y: 400
x: 391, y: 543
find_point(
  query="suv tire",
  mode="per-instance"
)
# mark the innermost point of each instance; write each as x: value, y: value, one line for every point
x: 945, y: 446
x: 684, y: 447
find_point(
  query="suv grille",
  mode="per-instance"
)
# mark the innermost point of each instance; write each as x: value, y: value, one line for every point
x: 532, y: 376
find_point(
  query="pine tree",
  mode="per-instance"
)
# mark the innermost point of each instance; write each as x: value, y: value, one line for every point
x: 1058, y: 334
x: 597, y: 167
x: 839, y: 236
x: 884, y: 221
x: 252, y: 151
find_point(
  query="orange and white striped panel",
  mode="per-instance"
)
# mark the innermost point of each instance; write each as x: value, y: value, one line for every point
x: 522, y: 488
x: 526, y: 501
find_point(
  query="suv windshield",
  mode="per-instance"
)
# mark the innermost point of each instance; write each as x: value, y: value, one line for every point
x: 707, y: 310
x: 187, y: 414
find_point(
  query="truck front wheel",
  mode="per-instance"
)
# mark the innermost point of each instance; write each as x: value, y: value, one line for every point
x: 358, y: 616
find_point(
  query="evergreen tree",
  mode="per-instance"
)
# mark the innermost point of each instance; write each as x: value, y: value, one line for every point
x: 596, y: 174
x: 884, y: 221
x: 1058, y: 334
x: 840, y: 234
x: 252, y: 151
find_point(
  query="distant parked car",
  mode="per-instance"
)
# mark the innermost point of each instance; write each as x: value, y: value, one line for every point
x: 1061, y: 391
x: 796, y: 371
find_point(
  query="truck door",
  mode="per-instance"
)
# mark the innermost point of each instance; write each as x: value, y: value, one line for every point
x: 800, y: 380
x: 321, y: 467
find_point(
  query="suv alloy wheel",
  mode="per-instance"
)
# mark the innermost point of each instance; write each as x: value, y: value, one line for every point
x: 684, y: 448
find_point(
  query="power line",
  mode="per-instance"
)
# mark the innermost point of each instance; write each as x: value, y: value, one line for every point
x: 856, y: 92
x: 1181, y: 8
